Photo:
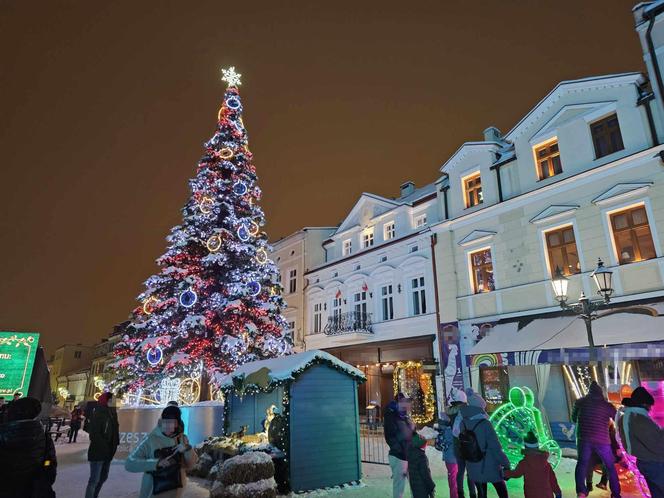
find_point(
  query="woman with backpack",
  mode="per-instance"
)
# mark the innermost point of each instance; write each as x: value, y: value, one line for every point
x: 480, y: 448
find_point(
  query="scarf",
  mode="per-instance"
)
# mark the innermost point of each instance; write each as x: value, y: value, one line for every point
x: 628, y: 411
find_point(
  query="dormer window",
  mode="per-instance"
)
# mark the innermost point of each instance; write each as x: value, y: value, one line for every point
x: 472, y: 189
x: 368, y: 239
x: 348, y: 247
x: 607, y: 138
x: 420, y: 220
x: 547, y: 157
x: 389, y: 231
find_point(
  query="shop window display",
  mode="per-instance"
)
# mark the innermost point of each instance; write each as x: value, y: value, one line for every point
x: 495, y: 386
x: 410, y: 379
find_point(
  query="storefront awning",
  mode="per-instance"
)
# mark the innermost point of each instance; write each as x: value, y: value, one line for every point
x: 631, y: 333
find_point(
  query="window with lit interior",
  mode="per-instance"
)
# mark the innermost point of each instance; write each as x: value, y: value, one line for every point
x: 547, y: 156
x: 631, y: 235
x: 561, y: 248
x: 472, y: 189
x: 482, y: 271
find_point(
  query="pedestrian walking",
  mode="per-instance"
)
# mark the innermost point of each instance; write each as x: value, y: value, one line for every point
x: 592, y: 414
x: 75, y: 422
x: 419, y: 473
x: 104, y: 440
x: 595, y: 461
x: 445, y: 444
x: 644, y: 439
x: 539, y: 480
x: 27, y: 453
x: 480, y: 448
x: 163, y: 457
x: 459, y: 399
x: 398, y: 429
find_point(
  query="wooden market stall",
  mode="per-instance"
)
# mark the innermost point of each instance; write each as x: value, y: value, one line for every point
x: 314, y: 396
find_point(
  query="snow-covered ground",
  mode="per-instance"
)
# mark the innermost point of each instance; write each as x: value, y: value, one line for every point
x: 73, y: 475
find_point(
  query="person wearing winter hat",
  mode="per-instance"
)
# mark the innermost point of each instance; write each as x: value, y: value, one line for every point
x: 27, y: 457
x: 166, y: 446
x: 419, y: 474
x: 458, y: 400
x: 539, y: 480
x: 104, y: 433
x: 398, y: 429
x: 474, y: 399
x: 643, y: 438
x: 592, y: 415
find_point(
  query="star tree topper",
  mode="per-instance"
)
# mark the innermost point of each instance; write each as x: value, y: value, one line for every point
x: 231, y: 77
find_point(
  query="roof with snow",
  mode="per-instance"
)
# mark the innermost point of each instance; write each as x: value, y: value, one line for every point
x: 288, y: 367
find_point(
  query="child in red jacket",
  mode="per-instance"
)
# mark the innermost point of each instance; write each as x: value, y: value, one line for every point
x: 539, y: 481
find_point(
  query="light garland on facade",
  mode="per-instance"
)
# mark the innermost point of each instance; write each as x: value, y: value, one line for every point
x: 413, y: 372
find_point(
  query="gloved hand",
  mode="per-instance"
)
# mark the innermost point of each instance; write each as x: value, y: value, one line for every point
x: 182, y: 448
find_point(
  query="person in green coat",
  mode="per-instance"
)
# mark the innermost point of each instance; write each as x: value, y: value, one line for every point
x: 104, y: 433
x: 169, y: 435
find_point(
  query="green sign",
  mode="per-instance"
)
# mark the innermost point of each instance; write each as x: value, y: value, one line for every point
x: 17, y: 357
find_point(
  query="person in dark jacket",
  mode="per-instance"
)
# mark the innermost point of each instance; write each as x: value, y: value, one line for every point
x: 539, y: 480
x: 75, y: 423
x: 398, y: 429
x: 27, y: 454
x: 419, y: 474
x: 643, y: 438
x: 104, y: 440
x: 3, y: 410
x: 592, y: 415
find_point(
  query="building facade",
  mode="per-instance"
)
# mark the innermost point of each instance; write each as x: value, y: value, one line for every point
x: 372, y: 303
x: 579, y: 178
x: 294, y: 255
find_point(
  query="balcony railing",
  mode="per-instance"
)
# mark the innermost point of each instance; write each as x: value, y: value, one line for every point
x: 348, y: 323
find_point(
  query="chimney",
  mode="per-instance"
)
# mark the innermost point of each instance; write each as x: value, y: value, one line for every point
x: 492, y: 134
x: 407, y: 188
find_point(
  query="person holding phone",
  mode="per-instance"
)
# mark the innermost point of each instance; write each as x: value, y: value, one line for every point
x: 163, y: 457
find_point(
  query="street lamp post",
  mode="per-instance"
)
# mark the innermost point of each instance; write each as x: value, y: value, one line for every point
x: 586, y: 308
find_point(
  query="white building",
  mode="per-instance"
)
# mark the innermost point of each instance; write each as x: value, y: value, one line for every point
x: 373, y: 302
x: 295, y: 255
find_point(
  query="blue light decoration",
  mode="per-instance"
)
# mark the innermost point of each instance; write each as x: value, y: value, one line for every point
x: 233, y: 103
x: 243, y: 233
x: 239, y: 188
x: 254, y: 288
x: 513, y: 420
x: 154, y: 355
x: 188, y: 298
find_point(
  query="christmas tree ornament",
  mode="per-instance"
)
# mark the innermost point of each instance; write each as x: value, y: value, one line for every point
x: 261, y: 256
x: 154, y: 355
x: 230, y: 76
x: 243, y: 233
x: 253, y: 228
x: 149, y: 304
x: 188, y: 298
x: 226, y: 153
x: 233, y: 103
x: 254, y: 288
x: 206, y: 205
x: 214, y: 243
x: 239, y: 188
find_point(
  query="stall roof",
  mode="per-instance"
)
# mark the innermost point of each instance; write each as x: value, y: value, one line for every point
x: 569, y: 332
x: 286, y: 367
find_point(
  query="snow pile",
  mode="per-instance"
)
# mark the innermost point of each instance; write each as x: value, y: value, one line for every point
x: 284, y: 367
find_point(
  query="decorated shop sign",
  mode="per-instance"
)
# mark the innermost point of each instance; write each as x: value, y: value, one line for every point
x: 17, y: 357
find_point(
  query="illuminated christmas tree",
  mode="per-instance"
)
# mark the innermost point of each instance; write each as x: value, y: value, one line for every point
x: 216, y: 303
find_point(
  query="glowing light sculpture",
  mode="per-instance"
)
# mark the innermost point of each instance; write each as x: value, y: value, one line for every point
x: 513, y: 420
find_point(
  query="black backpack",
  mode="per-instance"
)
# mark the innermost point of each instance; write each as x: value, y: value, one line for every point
x: 468, y: 446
